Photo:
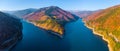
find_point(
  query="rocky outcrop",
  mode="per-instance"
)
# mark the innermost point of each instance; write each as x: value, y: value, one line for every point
x: 10, y: 31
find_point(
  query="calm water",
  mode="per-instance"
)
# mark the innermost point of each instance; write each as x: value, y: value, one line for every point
x: 77, y: 38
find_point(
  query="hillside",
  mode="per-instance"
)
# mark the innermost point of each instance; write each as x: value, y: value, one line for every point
x: 51, y: 18
x: 10, y: 31
x: 107, y: 24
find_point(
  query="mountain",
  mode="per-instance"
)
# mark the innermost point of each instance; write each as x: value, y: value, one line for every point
x: 107, y: 24
x: 21, y: 13
x: 83, y: 14
x: 51, y: 18
x: 10, y: 31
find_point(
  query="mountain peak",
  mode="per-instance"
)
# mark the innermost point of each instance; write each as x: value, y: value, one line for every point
x: 48, y: 8
x: 53, y: 7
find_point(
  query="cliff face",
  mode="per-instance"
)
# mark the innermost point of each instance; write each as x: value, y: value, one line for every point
x: 107, y: 23
x: 51, y: 18
x: 10, y: 30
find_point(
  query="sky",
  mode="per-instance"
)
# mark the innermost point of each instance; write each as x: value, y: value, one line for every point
x: 11, y: 5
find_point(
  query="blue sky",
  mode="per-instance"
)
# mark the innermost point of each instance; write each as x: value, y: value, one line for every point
x: 64, y: 4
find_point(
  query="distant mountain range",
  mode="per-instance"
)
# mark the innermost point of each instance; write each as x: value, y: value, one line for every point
x: 107, y: 24
x: 83, y: 14
x: 10, y: 31
x: 21, y: 13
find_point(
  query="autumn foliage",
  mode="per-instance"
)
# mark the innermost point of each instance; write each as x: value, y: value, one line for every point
x: 107, y: 23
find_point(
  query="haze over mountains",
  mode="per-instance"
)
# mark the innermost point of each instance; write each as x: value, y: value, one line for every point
x: 83, y: 14
x: 21, y: 13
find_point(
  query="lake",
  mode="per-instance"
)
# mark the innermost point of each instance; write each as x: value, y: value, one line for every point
x: 77, y: 37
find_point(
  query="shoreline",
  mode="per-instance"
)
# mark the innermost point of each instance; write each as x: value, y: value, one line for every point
x: 11, y: 46
x: 51, y: 32
x: 96, y: 33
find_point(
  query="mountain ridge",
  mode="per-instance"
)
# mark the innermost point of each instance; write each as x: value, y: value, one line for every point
x: 21, y: 13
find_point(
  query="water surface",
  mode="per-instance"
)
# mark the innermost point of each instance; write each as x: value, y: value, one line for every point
x: 76, y: 38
